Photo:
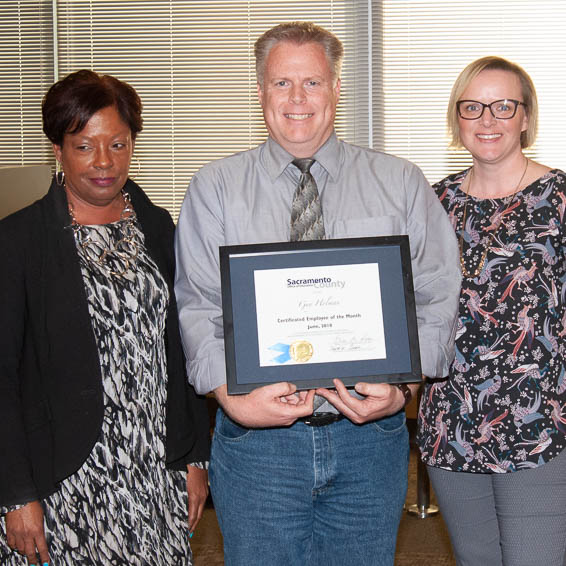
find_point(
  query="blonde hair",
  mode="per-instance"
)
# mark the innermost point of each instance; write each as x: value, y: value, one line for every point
x: 299, y: 33
x: 463, y: 81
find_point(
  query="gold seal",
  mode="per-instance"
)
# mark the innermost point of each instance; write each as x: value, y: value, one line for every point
x: 301, y: 351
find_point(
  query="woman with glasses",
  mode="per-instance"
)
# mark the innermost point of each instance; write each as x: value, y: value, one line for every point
x: 493, y: 434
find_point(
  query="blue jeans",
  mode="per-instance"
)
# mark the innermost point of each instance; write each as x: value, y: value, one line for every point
x: 302, y: 495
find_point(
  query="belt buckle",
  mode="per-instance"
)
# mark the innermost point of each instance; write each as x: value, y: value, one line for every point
x: 321, y: 419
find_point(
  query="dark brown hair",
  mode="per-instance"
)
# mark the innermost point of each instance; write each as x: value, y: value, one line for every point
x: 71, y: 102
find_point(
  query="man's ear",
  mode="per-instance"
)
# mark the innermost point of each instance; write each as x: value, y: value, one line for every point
x: 260, y: 94
x: 337, y: 90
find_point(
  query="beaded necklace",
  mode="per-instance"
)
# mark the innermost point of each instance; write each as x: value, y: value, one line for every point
x: 126, y: 248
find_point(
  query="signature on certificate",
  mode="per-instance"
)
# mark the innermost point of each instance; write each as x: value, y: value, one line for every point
x: 352, y: 344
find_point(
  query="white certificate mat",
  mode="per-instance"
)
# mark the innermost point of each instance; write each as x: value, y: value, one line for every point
x: 319, y: 314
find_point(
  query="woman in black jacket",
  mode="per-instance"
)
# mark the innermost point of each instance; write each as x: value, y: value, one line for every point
x: 93, y: 393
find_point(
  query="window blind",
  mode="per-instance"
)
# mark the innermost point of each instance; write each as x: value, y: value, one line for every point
x: 193, y: 67
x: 192, y: 63
x: 427, y: 43
x: 26, y: 63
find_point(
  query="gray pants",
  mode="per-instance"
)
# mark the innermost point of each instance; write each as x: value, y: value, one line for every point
x: 513, y: 519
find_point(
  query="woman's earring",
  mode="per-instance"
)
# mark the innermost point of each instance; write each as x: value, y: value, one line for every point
x: 59, y: 174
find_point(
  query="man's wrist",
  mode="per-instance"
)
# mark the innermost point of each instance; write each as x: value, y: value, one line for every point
x: 406, y: 391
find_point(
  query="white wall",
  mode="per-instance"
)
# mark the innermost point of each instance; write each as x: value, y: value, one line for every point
x: 20, y: 186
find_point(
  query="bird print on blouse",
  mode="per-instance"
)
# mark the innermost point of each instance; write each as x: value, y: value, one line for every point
x: 503, y: 406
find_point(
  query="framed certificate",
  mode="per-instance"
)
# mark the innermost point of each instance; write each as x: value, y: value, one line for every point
x: 308, y: 312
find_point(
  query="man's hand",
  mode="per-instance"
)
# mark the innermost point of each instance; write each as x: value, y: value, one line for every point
x: 25, y: 533
x: 268, y: 406
x: 197, y: 488
x: 381, y: 400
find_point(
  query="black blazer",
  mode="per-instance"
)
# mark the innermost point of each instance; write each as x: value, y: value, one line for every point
x: 51, y: 396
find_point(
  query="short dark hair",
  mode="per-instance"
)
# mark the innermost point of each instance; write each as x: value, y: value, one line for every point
x: 71, y: 102
x: 299, y: 33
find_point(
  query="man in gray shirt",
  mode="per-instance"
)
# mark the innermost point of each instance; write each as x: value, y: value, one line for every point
x: 323, y: 490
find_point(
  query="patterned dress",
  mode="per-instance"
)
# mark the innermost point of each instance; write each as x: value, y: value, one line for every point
x: 122, y: 507
x: 503, y: 407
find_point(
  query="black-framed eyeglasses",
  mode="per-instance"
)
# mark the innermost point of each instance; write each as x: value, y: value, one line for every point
x: 503, y: 109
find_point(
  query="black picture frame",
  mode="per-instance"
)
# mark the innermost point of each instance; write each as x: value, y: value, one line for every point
x: 391, y: 253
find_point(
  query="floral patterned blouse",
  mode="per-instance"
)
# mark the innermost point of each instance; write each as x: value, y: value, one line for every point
x: 503, y: 406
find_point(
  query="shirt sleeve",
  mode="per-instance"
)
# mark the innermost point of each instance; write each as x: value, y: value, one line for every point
x: 436, y: 274
x: 200, y: 232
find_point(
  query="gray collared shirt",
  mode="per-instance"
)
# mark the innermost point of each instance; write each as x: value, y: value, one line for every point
x: 246, y: 198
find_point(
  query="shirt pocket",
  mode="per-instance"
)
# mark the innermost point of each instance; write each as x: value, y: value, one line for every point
x: 367, y: 227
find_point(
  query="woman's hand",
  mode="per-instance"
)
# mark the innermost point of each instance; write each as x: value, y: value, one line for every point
x: 25, y: 533
x: 197, y: 488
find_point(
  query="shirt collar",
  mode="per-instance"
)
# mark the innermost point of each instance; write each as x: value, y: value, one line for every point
x: 329, y: 156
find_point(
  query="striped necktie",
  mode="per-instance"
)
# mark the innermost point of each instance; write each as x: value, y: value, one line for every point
x: 306, y: 212
x: 307, y: 222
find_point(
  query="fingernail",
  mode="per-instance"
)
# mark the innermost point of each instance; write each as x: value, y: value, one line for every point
x: 191, y: 534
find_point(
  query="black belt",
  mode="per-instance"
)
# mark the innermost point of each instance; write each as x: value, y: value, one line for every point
x: 321, y: 419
